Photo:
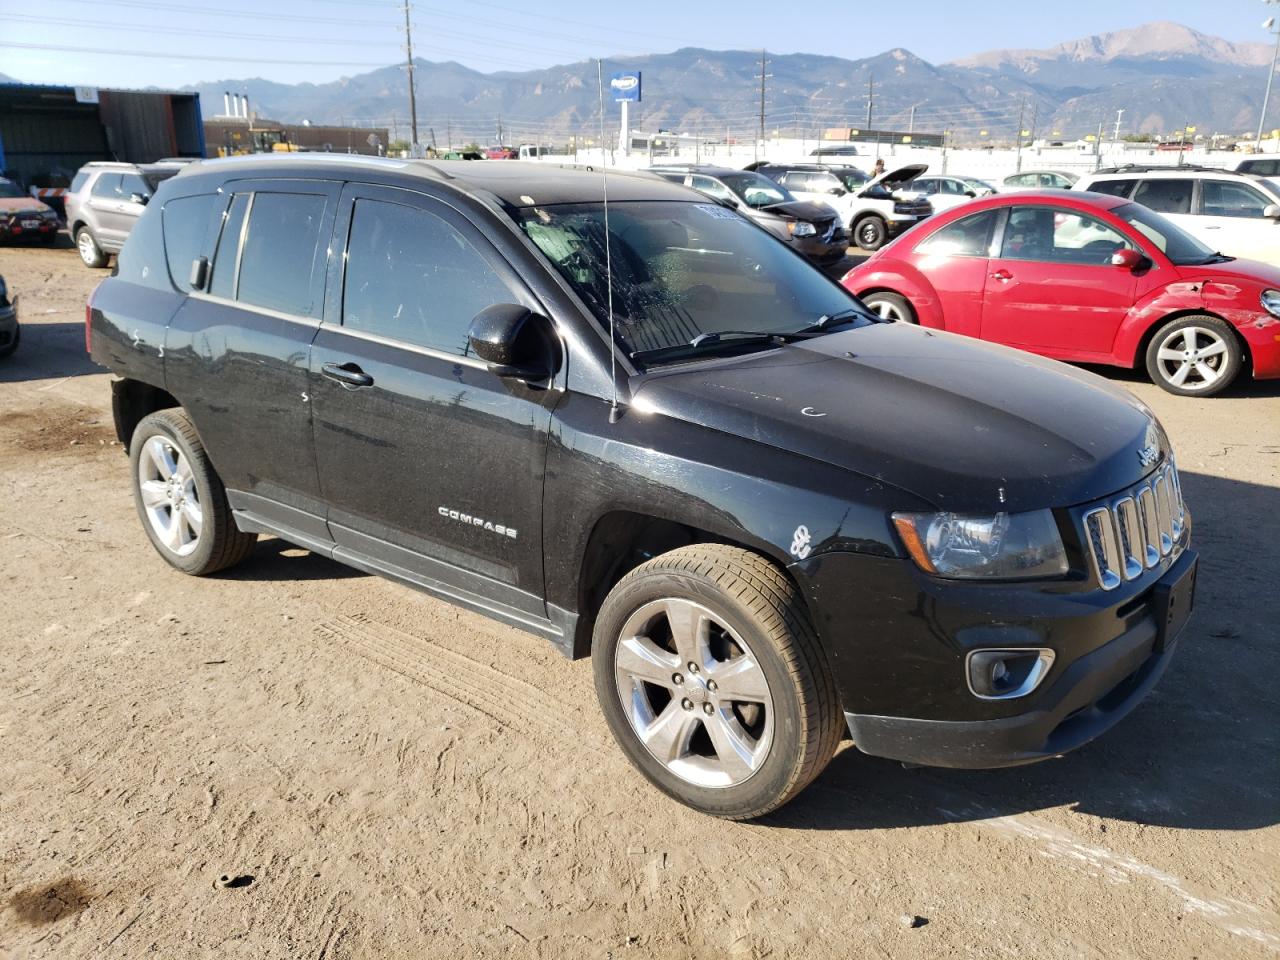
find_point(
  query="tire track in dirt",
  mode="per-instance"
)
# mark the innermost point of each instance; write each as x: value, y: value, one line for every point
x: 520, y: 706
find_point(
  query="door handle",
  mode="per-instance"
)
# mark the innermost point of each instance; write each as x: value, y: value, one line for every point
x: 349, y: 375
x: 1002, y: 275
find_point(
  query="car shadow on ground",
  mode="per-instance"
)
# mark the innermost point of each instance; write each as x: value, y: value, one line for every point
x: 1200, y: 753
x: 279, y: 560
x: 48, y: 351
x: 1244, y: 386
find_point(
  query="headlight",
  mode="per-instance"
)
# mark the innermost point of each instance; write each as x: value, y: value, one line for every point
x: 1271, y: 302
x: 1005, y: 546
x: 798, y: 228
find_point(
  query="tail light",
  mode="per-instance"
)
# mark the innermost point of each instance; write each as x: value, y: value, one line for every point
x: 88, y: 320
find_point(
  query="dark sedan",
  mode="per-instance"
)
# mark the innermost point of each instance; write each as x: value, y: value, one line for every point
x: 812, y: 229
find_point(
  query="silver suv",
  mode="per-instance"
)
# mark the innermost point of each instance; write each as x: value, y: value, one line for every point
x: 106, y: 199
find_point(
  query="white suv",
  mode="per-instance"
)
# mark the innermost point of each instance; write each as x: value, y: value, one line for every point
x: 1237, y: 214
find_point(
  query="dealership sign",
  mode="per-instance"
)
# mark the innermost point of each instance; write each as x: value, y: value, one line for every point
x: 626, y: 86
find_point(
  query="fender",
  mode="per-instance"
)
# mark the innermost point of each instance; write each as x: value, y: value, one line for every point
x: 898, y: 276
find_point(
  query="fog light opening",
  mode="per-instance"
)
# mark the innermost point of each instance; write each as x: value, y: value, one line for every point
x: 1006, y: 674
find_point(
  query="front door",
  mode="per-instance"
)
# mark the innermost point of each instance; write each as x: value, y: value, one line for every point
x: 1232, y: 221
x: 1052, y: 289
x: 430, y: 464
x: 954, y: 260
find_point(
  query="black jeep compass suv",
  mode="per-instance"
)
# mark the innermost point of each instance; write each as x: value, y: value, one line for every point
x: 650, y: 432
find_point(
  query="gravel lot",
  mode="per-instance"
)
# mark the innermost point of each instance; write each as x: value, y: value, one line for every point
x: 388, y: 776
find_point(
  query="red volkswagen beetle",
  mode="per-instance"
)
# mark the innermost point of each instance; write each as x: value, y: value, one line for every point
x: 1086, y: 278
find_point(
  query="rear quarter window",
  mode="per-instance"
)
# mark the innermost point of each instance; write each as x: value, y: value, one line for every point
x: 142, y: 260
x: 186, y: 224
x: 1114, y: 188
x: 78, y: 181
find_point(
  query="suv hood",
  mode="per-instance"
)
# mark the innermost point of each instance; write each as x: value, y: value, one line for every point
x: 964, y: 425
x: 809, y: 210
x: 896, y: 179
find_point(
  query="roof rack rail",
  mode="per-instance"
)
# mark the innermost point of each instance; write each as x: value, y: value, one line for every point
x: 1161, y: 168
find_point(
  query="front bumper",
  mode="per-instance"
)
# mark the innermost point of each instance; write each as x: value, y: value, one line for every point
x: 820, y: 250
x: 897, y: 643
x: 8, y: 325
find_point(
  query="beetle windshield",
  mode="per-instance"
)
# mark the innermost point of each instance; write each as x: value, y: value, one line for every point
x: 682, y: 270
x: 1174, y: 242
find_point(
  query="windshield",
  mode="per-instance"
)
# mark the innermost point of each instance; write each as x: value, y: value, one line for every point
x: 10, y: 189
x: 756, y: 190
x: 681, y: 270
x: 1174, y: 242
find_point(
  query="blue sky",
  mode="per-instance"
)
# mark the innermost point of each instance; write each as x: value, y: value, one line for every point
x: 174, y: 43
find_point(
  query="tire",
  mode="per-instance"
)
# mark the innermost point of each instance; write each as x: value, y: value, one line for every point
x: 1195, y: 356
x: 161, y: 442
x: 870, y: 233
x: 890, y: 306
x: 12, y: 345
x: 90, y: 252
x: 786, y: 722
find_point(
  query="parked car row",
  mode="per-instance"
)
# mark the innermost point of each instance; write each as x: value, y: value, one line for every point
x: 1084, y: 277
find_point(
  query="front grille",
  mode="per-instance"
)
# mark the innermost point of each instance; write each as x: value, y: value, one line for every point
x: 920, y: 208
x: 1132, y: 531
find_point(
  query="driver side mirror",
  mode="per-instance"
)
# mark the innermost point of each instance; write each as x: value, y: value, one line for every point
x: 1271, y: 211
x: 513, y: 340
x: 1128, y: 259
x: 837, y: 191
x: 139, y: 198
x: 971, y: 193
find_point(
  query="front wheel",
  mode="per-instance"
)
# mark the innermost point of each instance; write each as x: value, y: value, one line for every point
x: 180, y: 497
x: 12, y: 345
x: 90, y: 252
x: 1194, y: 356
x: 890, y: 306
x: 713, y: 681
x: 870, y: 233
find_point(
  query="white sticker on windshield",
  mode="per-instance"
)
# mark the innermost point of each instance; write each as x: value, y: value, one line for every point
x: 720, y: 213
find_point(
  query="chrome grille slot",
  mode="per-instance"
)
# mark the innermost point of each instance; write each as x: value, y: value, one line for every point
x: 1133, y: 531
x: 1105, y: 550
x: 1131, y: 545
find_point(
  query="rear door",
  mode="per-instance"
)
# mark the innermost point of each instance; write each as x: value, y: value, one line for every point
x: 237, y: 352
x: 1053, y: 289
x: 1231, y: 214
x: 429, y: 463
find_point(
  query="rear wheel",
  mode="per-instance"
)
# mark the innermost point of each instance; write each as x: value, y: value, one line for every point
x: 180, y: 497
x: 90, y: 252
x: 870, y: 233
x: 12, y: 345
x: 1194, y: 356
x: 713, y: 681
x: 890, y: 306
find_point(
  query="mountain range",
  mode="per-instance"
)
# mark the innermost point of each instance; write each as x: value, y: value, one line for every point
x: 1162, y: 75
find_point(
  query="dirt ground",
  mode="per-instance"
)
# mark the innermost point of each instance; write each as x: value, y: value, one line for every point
x: 294, y: 759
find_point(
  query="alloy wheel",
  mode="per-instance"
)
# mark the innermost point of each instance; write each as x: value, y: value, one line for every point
x: 169, y: 496
x: 693, y: 693
x: 86, y: 246
x: 887, y: 311
x: 1192, y: 358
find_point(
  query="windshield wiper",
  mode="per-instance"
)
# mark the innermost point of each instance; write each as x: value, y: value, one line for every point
x: 830, y: 320
x: 705, y: 342
x: 1216, y: 257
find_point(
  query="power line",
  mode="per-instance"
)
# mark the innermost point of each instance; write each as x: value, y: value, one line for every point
x: 183, y: 31
x: 156, y: 55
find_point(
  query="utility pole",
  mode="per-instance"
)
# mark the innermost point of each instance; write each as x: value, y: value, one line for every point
x: 1097, y: 144
x: 1022, y: 108
x: 871, y: 97
x: 1268, y: 24
x: 413, y: 97
x: 911, y: 123
x: 764, y: 73
x: 1115, y: 137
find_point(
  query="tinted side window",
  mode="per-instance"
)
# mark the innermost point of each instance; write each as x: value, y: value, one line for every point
x: 186, y: 221
x: 78, y: 181
x: 1116, y: 188
x: 970, y: 237
x: 278, y: 263
x: 1165, y: 196
x: 412, y: 277
x: 711, y: 187
x: 223, y: 283
x: 924, y: 186
x: 1223, y: 198
x: 107, y: 185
